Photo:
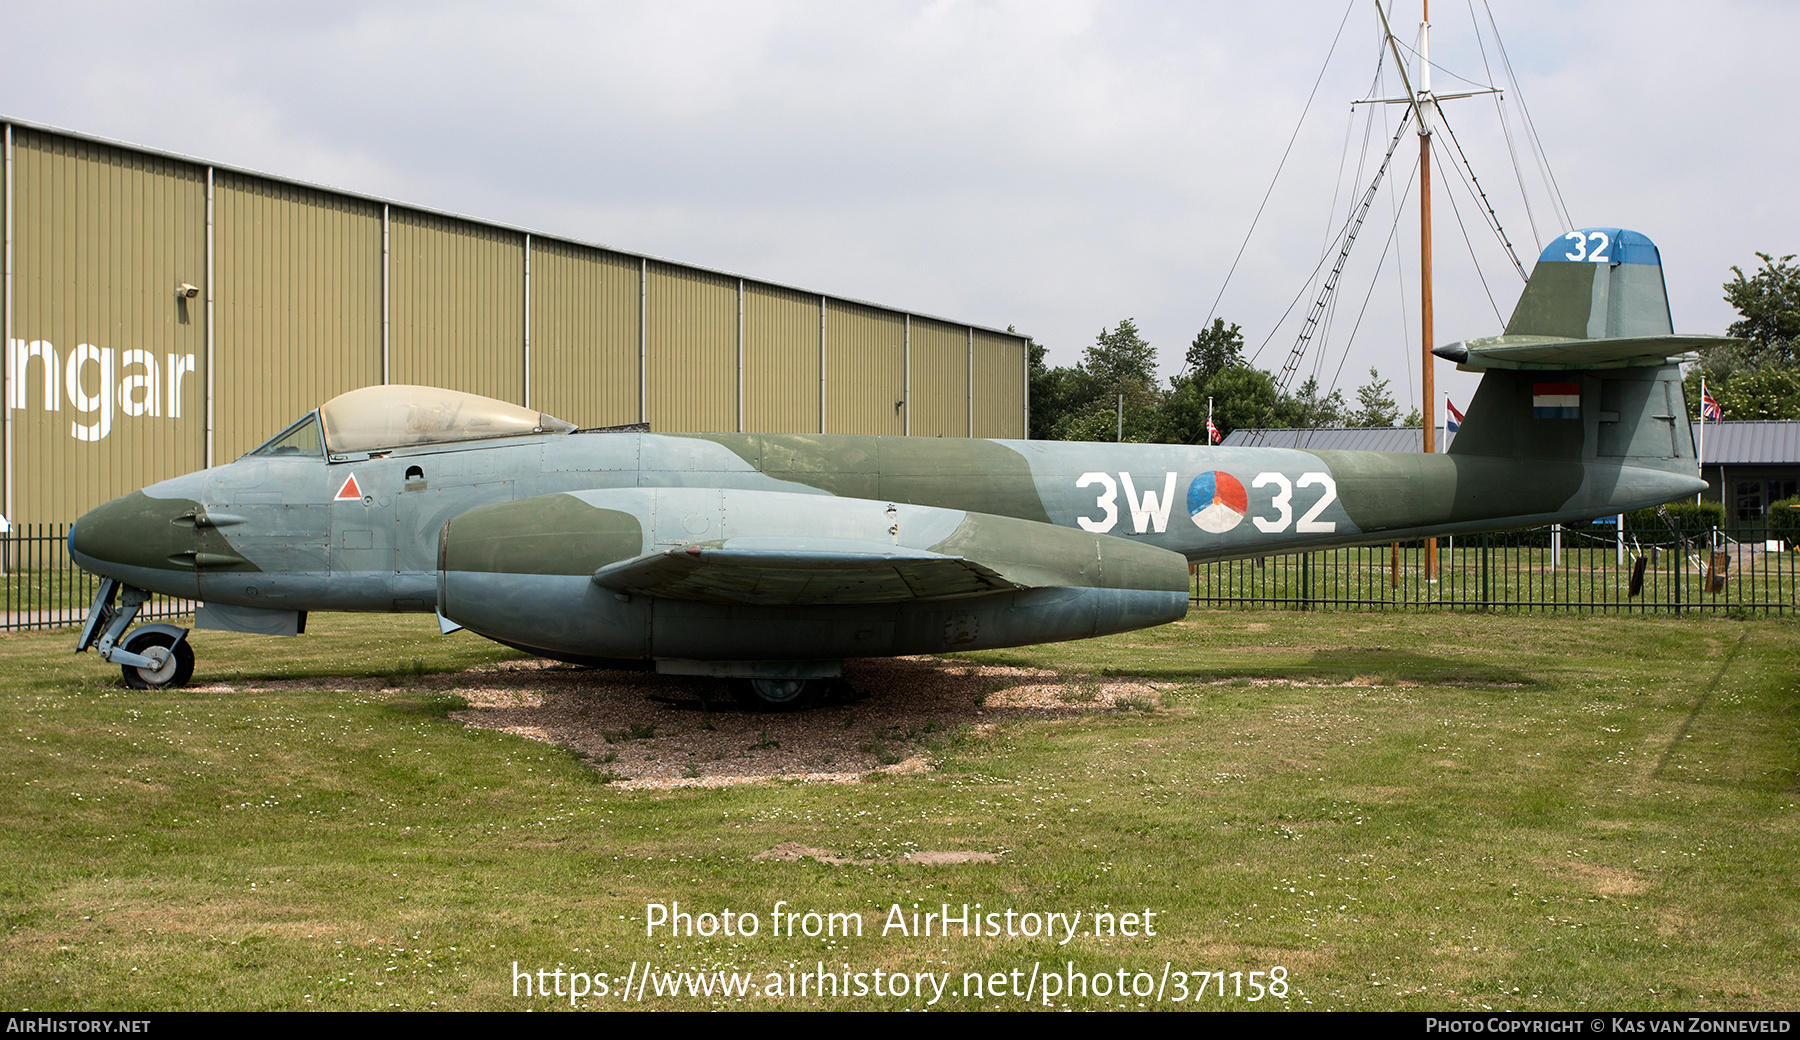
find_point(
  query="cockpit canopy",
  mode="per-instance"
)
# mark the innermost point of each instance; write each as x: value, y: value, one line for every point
x: 378, y: 418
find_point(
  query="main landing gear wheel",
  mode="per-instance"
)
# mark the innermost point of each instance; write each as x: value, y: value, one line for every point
x: 174, y: 662
x: 779, y: 694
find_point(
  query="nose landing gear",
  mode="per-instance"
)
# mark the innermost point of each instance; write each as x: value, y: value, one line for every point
x: 156, y: 657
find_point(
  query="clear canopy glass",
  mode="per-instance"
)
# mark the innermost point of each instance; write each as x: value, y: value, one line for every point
x: 378, y: 417
x: 300, y: 439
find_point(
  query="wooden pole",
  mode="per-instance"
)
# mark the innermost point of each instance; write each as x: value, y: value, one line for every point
x: 1425, y: 315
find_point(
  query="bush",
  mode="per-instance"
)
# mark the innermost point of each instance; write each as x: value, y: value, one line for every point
x: 1784, y: 521
x: 1691, y: 519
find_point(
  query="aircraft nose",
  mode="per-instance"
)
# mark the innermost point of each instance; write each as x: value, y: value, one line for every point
x: 134, y: 533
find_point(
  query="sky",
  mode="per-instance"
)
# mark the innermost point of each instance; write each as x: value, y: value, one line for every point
x: 1053, y: 166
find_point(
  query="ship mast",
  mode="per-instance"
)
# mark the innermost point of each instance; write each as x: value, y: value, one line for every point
x: 1425, y: 107
x: 1427, y: 110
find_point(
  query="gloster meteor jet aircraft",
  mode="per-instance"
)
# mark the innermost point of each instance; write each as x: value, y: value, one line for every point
x: 773, y: 557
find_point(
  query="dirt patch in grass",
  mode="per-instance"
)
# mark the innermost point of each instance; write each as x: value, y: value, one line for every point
x: 794, y: 852
x: 643, y: 730
x: 1604, y: 880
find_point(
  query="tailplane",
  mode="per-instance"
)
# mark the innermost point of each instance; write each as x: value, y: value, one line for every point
x: 1588, y: 368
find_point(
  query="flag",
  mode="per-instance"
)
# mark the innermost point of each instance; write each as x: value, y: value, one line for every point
x: 1452, y: 418
x: 1709, y: 408
x: 1556, y: 400
x: 1212, y: 432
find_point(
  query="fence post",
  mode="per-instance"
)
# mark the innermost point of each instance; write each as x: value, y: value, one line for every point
x: 1680, y: 562
x: 1484, y: 572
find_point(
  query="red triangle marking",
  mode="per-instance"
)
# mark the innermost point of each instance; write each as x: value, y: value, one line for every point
x: 350, y: 492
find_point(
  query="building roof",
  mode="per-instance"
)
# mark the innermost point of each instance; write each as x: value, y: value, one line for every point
x: 1336, y: 438
x: 1765, y: 443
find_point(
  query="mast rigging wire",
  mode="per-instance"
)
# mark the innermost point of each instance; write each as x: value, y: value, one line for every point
x: 1310, y: 325
x: 1472, y: 257
x: 1537, y: 145
x: 1280, y: 166
x: 1474, y: 188
x: 1512, y: 147
x: 1286, y: 377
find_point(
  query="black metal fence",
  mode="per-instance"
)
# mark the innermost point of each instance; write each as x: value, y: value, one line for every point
x: 1587, y: 568
x: 41, y: 588
x: 1591, y: 568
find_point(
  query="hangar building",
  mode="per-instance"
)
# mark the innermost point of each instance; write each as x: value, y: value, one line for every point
x: 164, y: 313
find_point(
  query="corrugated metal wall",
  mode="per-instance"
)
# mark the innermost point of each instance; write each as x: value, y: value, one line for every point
x: 691, y: 353
x: 456, y: 306
x: 865, y: 369
x: 107, y: 375
x: 940, y: 379
x: 102, y: 238
x: 781, y: 360
x: 999, y: 386
x: 584, y: 333
x: 297, y: 304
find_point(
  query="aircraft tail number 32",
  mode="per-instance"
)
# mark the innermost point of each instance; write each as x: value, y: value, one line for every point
x: 1216, y: 502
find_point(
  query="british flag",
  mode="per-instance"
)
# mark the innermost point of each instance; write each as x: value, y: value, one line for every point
x: 1710, y: 410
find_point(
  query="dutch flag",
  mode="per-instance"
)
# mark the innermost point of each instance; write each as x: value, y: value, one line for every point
x: 1556, y: 400
x: 1452, y: 418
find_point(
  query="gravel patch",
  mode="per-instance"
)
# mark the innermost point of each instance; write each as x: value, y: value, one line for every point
x: 645, y: 730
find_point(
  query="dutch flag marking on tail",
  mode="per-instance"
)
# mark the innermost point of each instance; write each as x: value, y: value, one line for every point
x: 1556, y: 400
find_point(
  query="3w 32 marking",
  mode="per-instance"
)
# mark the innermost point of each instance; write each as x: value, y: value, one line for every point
x: 1150, y: 510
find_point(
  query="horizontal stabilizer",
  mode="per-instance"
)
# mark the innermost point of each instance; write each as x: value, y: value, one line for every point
x: 1556, y: 353
x: 773, y: 571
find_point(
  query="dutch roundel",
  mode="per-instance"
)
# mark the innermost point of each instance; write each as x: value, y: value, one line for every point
x: 1217, y: 501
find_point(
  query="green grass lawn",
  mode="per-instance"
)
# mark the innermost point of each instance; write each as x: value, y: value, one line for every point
x: 1398, y: 811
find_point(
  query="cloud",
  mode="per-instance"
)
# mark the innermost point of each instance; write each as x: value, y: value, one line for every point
x: 1057, y: 166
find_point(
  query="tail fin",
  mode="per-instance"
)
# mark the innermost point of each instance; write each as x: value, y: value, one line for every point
x: 1596, y: 283
x: 1588, y: 369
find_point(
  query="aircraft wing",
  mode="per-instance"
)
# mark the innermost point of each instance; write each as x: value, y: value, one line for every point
x: 777, y: 571
x: 774, y: 549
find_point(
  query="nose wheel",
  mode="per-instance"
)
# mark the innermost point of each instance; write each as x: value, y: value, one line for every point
x: 172, y: 662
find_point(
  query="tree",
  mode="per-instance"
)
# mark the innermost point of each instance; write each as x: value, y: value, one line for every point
x: 1768, y: 392
x: 1082, y: 403
x: 1758, y: 378
x: 1120, y: 356
x: 1242, y: 397
x: 1375, y: 403
x: 1769, y: 302
x: 1305, y: 409
x: 1055, y: 394
x: 1214, y: 350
